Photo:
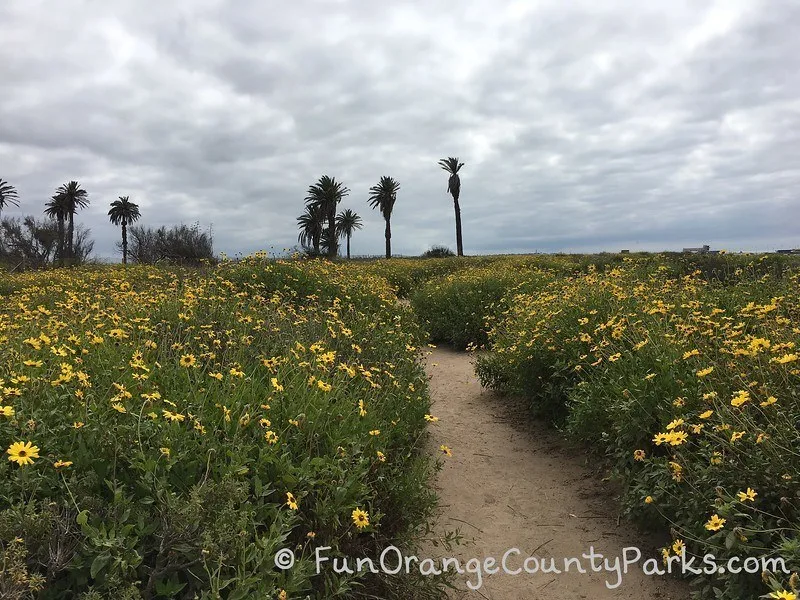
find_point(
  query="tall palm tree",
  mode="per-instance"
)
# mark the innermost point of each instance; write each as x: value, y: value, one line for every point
x: 124, y: 212
x: 326, y: 194
x: 383, y: 197
x: 56, y: 208
x: 8, y: 195
x: 75, y: 198
x: 346, y: 224
x: 452, y: 166
x: 311, y: 224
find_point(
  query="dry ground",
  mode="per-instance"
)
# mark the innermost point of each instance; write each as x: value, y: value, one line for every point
x: 514, y: 484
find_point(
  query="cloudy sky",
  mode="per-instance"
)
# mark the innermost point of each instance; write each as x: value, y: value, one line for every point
x: 584, y: 125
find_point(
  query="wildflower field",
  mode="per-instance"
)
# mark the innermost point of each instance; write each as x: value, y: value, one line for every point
x: 166, y: 431
x: 682, y: 373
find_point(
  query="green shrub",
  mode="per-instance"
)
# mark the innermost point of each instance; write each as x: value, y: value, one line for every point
x: 458, y: 308
x: 688, y: 385
x: 179, y: 415
x: 438, y: 252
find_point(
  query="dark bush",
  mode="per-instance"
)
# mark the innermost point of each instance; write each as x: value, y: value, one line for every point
x: 438, y: 252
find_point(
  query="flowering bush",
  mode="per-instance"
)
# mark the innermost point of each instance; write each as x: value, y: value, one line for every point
x: 457, y: 308
x: 688, y: 385
x: 166, y: 431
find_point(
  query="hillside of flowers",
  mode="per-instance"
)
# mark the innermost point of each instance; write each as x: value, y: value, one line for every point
x: 688, y: 385
x: 165, y: 431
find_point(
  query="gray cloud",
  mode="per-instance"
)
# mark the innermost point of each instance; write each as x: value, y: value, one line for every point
x: 583, y: 125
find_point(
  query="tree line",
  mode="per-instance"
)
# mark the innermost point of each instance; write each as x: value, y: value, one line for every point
x: 56, y: 240
x: 321, y: 228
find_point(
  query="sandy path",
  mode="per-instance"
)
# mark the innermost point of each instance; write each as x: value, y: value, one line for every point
x: 512, y: 484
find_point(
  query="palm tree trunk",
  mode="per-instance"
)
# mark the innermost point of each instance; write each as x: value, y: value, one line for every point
x: 333, y: 248
x: 459, y: 243
x: 348, y: 247
x: 124, y: 242
x: 316, y: 243
x: 388, y: 239
x: 61, y: 241
x: 70, y: 234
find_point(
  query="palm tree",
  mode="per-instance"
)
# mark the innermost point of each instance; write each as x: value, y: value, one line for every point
x: 8, y: 195
x: 346, y: 223
x: 123, y: 212
x: 74, y: 198
x: 57, y: 209
x: 326, y: 195
x: 311, y: 223
x: 383, y: 196
x: 452, y: 166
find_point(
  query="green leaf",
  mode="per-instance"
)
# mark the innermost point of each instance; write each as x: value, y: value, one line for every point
x: 82, y: 518
x: 730, y: 540
x: 99, y: 563
x: 169, y: 587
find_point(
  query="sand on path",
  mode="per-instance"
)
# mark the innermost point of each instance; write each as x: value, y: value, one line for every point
x: 513, y: 483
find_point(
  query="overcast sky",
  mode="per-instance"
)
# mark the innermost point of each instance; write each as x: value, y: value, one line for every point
x: 584, y: 125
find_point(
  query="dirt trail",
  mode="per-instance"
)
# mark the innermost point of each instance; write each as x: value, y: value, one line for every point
x: 512, y: 484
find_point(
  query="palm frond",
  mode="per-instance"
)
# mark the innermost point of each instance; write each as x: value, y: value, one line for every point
x: 74, y: 196
x: 384, y: 195
x: 311, y: 224
x: 123, y: 210
x: 326, y: 192
x: 347, y: 222
x: 451, y: 164
x: 56, y: 207
x: 8, y: 194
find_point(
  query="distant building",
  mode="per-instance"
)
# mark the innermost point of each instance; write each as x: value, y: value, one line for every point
x: 624, y: 251
x: 792, y: 251
x: 704, y: 250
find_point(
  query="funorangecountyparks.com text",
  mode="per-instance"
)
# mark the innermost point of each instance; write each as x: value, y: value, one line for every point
x: 514, y: 563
